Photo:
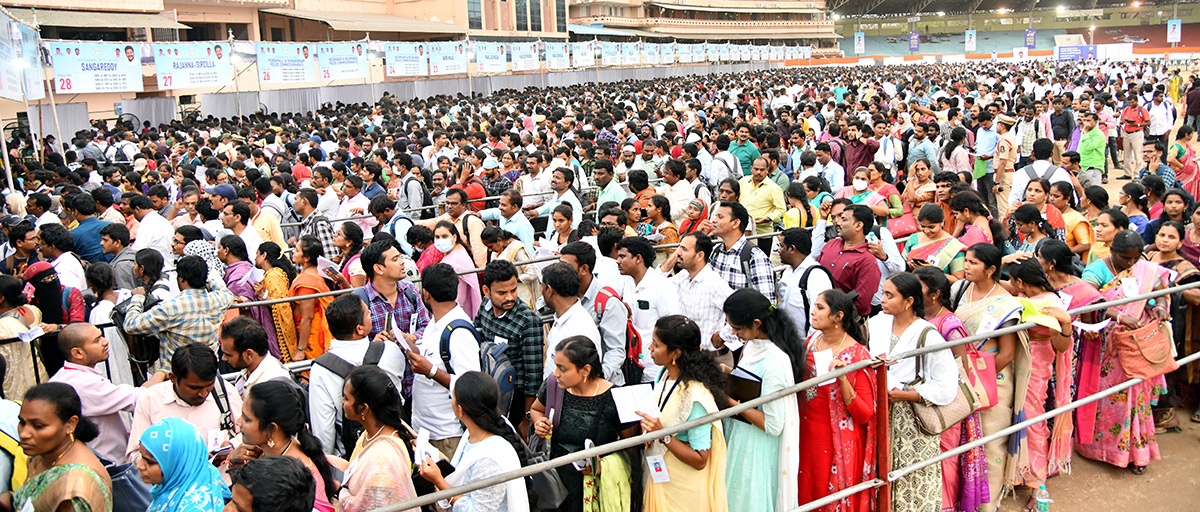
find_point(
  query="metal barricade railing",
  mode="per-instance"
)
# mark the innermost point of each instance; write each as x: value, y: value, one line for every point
x: 879, y: 362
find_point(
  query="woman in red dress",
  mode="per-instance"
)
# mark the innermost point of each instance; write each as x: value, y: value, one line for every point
x: 837, y: 420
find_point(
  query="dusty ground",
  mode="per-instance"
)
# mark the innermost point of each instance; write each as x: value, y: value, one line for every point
x: 1171, y: 484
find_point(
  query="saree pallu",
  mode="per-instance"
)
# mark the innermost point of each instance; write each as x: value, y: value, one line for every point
x: 611, y: 491
x: 74, y: 483
x: 964, y: 478
x: 378, y: 475
x: 1004, y: 455
x: 1119, y: 429
x: 920, y: 491
x: 689, y: 489
x: 276, y: 283
x: 973, y: 234
x: 318, y: 333
x: 1188, y: 178
x: 947, y: 254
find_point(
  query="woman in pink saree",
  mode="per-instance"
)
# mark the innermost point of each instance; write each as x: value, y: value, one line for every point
x: 1119, y: 429
x: 965, y: 477
x: 1050, y: 355
x: 1182, y: 159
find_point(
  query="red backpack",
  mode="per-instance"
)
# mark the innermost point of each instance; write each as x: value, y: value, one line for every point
x: 632, y: 367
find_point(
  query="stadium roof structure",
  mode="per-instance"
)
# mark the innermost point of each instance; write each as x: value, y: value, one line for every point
x: 848, y: 8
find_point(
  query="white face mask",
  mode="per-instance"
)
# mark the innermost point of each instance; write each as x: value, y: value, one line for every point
x: 860, y: 185
x: 443, y: 245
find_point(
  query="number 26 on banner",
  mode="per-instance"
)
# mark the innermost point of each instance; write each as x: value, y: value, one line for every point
x: 266, y: 76
x: 166, y: 81
x: 64, y: 84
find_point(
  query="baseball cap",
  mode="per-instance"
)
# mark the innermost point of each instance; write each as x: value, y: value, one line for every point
x: 224, y: 190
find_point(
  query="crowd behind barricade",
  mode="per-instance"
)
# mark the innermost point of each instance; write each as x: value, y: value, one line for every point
x: 534, y: 273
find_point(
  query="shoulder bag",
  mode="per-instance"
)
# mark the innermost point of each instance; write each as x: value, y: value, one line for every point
x: 548, y: 485
x: 935, y: 419
x: 1145, y: 352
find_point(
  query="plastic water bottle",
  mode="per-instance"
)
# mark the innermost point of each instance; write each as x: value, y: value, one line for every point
x: 1043, y: 499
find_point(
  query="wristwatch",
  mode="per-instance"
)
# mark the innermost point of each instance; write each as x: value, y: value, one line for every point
x: 666, y: 440
x: 432, y: 372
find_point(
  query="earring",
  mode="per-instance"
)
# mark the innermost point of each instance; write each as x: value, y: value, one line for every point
x: 270, y: 443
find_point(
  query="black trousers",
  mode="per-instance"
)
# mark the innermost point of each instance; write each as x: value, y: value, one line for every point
x: 984, y: 186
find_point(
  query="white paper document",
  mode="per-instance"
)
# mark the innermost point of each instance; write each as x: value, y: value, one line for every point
x: 821, y: 360
x: 631, y: 399
x: 324, y: 264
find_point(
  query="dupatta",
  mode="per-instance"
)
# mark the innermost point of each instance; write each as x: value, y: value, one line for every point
x: 846, y: 475
x: 789, y: 440
x: 686, y: 482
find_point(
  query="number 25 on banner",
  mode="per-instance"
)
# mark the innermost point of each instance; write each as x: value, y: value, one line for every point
x: 166, y: 81
x: 324, y: 73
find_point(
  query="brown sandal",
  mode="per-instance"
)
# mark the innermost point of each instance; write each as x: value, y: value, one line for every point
x: 1167, y: 422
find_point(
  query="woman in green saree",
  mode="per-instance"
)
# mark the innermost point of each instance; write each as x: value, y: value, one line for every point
x: 934, y: 247
x: 64, y: 474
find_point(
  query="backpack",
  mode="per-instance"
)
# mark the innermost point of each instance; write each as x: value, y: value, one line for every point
x: 426, y: 199
x: 804, y: 292
x: 841, y: 155
x: 1033, y: 175
x: 631, y: 367
x: 144, y: 349
x: 349, y: 430
x: 746, y: 255
x: 493, y: 360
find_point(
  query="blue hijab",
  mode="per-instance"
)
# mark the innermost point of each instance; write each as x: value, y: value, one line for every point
x: 190, y: 482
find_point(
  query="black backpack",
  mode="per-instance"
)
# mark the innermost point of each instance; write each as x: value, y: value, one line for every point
x: 804, y: 292
x: 348, y: 431
x: 144, y: 349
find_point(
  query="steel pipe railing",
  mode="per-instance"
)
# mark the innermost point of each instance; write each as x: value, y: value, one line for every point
x: 791, y: 390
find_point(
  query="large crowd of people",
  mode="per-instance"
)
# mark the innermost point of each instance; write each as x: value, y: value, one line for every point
x: 481, y: 282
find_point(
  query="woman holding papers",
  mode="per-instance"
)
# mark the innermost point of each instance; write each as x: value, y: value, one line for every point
x: 575, y: 407
x: 764, y: 442
x: 900, y: 329
x: 687, y: 388
x: 964, y: 478
x: 837, y: 419
x: 984, y: 306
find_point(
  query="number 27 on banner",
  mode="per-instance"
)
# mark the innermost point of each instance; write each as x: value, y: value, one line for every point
x: 166, y: 81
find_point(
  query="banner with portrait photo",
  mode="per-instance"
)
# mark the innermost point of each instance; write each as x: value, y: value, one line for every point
x: 81, y: 68
x: 557, y: 56
x: 724, y: 52
x: 490, y: 58
x: 524, y: 56
x: 10, y: 76
x: 286, y: 63
x: 630, y: 54
x: 187, y: 65
x: 650, y: 54
x: 666, y: 53
x: 1174, y: 31
x: 583, y: 55
x: 969, y: 41
x: 610, y: 54
x: 343, y: 60
x: 406, y: 59
x: 449, y: 58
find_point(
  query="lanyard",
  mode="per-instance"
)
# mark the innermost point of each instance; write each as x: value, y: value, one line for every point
x: 662, y: 401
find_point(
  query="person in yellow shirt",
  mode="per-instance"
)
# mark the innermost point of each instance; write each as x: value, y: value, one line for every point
x: 763, y: 199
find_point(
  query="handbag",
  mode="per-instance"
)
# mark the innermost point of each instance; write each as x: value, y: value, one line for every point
x: 903, y: 225
x: 935, y: 419
x: 978, y: 370
x: 547, y: 486
x: 1145, y: 352
x: 129, y: 492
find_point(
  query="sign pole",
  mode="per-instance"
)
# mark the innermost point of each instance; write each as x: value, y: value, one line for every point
x: 370, y: 79
x: 237, y: 92
x: 53, y: 103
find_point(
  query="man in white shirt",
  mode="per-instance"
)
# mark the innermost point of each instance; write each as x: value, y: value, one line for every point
x: 561, y: 292
x: 1041, y: 167
x: 1162, y: 117
x: 629, y: 161
x: 154, y: 231
x: 349, y: 323
x: 676, y: 188
x: 244, y: 347
x: 803, y: 279
x: 57, y: 244
x: 39, y: 205
x: 701, y: 290
x: 234, y: 218
x: 534, y: 183
x: 830, y: 170
x: 354, y: 204
x: 432, y: 376
x: 322, y: 182
x: 560, y: 181
x: 651, y: 297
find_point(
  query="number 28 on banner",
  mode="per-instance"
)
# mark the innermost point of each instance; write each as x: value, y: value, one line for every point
x: 64, y: 84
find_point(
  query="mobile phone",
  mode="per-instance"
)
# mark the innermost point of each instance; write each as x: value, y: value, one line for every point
x: 920, y: 261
